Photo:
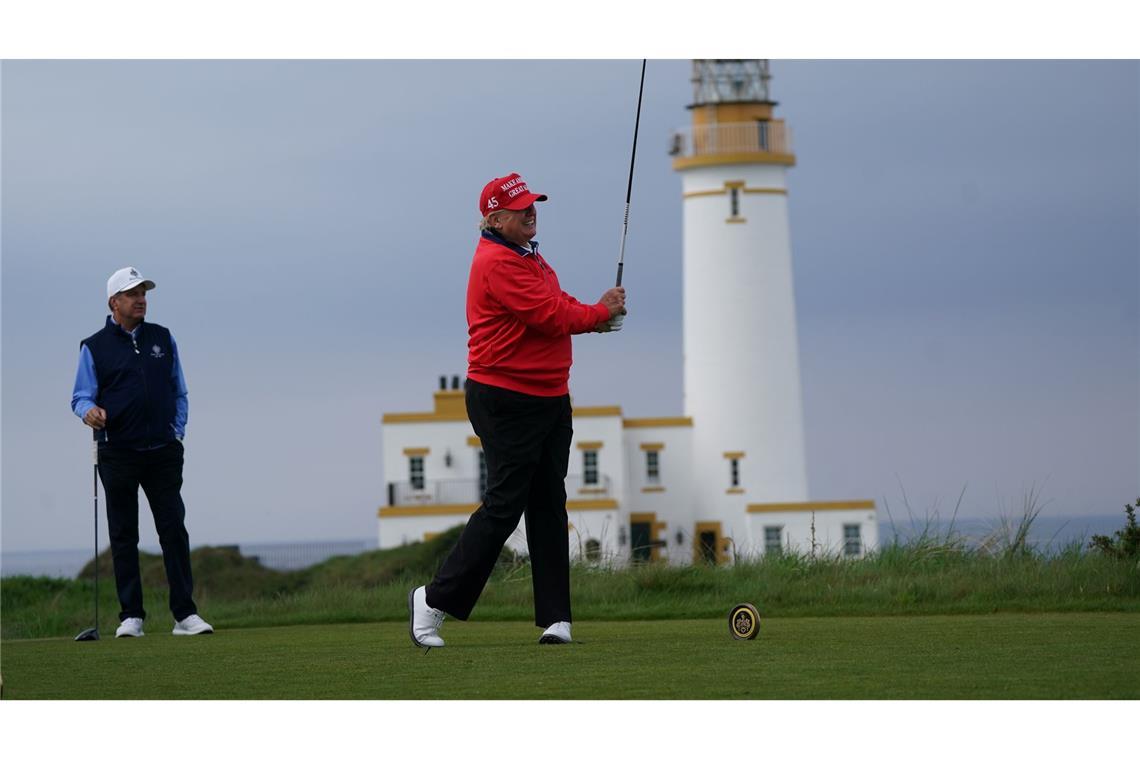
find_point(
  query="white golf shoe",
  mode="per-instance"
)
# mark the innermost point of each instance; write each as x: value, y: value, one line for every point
x: 192, y: 625
x: 424, y: 621
x: 559, y: 633
x: 130, y: 628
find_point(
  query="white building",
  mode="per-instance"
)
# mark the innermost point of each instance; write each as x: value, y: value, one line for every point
x: 728, y: 478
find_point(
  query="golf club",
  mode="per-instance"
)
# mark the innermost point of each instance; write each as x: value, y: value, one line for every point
x: 629, y: 187
x: 92, y: 634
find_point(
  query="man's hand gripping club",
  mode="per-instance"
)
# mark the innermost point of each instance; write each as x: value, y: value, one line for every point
x: 614, y: 300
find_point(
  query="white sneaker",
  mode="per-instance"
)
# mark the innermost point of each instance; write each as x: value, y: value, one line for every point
x: 131, y: 627
x: 424, y: 621
x: 559, y: 633
x: 192, y: 625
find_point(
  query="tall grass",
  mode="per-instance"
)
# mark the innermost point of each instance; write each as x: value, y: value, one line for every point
x: 928, y: 573
x: 921, y: 578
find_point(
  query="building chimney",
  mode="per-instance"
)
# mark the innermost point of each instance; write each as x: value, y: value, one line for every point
x: 455, y: 382
x: 443, y: 382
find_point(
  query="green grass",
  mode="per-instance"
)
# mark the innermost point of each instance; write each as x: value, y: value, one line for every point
x: 921, y: 579
x: 995, y: 656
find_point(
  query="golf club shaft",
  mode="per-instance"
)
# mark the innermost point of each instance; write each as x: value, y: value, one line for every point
x: 629, y: 186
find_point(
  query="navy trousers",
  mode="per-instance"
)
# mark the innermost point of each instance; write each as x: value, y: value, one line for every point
x: 526, y: 440
x: 159, y: 473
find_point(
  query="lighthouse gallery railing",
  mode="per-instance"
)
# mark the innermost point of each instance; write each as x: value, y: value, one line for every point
x: 747, y: 137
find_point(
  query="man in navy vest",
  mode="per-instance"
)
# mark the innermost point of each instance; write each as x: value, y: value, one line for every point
x: 129, y: 388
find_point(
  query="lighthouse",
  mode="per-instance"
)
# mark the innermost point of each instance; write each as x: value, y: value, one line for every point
x: 741, y: 357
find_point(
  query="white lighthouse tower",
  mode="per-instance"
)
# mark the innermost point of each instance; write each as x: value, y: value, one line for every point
x: 741, y: 357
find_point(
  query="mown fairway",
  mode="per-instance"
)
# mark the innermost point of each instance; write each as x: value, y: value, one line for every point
x: 999, y: 656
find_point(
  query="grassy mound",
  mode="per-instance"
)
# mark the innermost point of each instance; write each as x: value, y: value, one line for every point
x: 219, y: 571
x: 222, y: 572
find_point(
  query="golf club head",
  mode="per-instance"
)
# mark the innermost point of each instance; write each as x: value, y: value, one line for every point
x: 90, y: 634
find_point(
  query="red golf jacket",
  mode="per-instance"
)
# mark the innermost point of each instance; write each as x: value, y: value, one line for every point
x: 519, y: 321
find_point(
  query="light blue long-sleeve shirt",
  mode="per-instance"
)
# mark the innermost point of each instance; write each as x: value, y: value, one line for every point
x: 87, y: 387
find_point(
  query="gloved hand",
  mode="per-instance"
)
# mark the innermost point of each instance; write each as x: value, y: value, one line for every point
x: 613, y: 324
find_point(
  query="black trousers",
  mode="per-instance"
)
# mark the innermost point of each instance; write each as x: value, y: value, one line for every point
x: 526, y: 440
x: 159, y: 473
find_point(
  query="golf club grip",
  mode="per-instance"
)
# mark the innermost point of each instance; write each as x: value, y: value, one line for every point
x: 620, y: 267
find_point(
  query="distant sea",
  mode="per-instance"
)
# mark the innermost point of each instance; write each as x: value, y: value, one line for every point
x: 1048, y: 535
x: 67, y: 563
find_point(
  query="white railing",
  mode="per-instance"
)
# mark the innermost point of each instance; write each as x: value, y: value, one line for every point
x: 746, y: 137
x: 406, y: 494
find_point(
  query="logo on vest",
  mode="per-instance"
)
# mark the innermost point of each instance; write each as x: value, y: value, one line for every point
x: 156, y: 352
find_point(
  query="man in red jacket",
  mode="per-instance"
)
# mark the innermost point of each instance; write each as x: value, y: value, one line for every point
x: 519, y: 322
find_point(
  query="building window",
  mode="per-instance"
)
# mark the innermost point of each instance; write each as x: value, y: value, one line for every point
x: 590, y: 467
x: 652, y: 467
x: 773, y: 539
x: 734, y: 199
x: 852, y: 540
x: 482, y: 474
x: 593, y: 550
x: 416, y: 472
x: 734, y: 458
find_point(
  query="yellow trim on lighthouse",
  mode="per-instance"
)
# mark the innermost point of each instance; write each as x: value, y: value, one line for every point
x: 723, y: 159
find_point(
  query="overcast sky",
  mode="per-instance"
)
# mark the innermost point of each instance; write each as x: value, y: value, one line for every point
x: 965, y: 245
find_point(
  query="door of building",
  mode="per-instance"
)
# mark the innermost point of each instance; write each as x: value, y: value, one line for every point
x: 641, y: 541
x: 707, y: 546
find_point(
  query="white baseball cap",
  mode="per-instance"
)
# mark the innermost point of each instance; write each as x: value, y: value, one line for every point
x: 125, y: 279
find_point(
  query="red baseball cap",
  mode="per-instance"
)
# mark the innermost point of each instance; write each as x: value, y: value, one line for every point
x: 508, y: 192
